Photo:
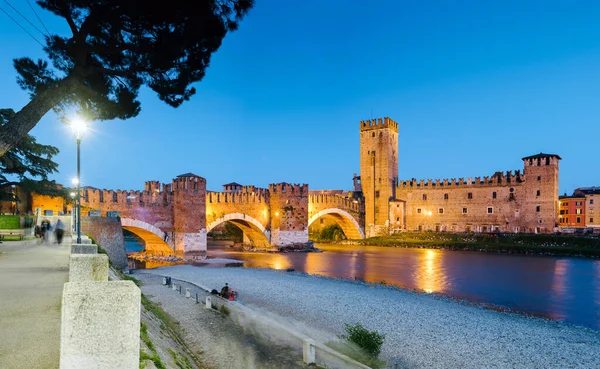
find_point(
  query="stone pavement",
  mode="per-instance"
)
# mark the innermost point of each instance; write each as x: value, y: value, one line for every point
x: 32, y: 276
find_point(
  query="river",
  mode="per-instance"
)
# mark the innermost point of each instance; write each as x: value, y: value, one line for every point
x: 561, y: 288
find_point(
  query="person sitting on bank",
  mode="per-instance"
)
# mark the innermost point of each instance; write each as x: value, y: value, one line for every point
x: 225, y: 291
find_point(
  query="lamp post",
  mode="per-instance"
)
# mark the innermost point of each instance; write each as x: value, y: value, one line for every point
x: 79, y: 127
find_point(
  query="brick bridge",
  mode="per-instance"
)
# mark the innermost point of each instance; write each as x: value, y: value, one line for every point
x: 181, y: 213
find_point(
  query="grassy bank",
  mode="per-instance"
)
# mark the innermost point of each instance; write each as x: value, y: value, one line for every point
x: 545, y: 244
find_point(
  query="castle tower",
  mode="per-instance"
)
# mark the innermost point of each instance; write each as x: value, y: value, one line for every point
x: 541, y: 192
x: 189, y: 215
x: 378, y: 171
x: 289, y: 214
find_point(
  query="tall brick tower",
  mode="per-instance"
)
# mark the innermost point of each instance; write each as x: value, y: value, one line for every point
x: 378, y: 171
x: 189, y: 215
x: 541, y: 192
x: 289, y: 213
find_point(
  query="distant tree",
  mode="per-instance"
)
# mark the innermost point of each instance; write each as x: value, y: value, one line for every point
x: 28, y: 165
x: 115, y: 48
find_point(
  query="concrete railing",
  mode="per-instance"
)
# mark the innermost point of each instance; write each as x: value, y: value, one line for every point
x: 312, y: 352
x: 100, y: 325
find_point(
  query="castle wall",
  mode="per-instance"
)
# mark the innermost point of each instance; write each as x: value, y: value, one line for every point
x: 508, y: 202
x: 152, y: 205
x: 250, y: 200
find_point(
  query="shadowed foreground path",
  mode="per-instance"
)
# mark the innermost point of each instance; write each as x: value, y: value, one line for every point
x: 32, y: 277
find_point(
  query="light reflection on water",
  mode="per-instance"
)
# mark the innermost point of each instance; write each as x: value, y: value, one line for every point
x: 561, y: 288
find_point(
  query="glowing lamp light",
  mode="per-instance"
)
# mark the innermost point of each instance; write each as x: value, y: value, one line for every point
x: 75, y: 181
x: 276, y: 213
x: 79, y: 127
x: 429, y: 213
x: 72, y: 194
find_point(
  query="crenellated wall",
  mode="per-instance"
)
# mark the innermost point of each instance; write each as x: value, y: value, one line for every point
x: 506, y: 202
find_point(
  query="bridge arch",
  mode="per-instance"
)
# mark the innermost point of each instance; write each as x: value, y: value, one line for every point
x: 254, y: 230
x: 153, y: 237
x: 346, y: 221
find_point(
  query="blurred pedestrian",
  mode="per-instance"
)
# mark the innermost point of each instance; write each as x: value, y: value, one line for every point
x: 59, y: 230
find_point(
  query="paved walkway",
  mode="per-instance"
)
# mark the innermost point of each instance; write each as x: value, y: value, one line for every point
x: 32, y: 276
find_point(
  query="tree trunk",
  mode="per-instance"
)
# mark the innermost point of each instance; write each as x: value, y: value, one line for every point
x: 24, y: 120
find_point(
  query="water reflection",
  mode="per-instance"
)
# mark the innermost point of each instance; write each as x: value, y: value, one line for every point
x: 559, y: 292
x: 430, y: 274
x: 561, y: 288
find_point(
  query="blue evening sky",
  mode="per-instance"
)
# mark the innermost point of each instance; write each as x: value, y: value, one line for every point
x: 474, y: 86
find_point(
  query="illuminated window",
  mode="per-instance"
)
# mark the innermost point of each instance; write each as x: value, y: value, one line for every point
x: 578, y: 203
x: 578, y: 211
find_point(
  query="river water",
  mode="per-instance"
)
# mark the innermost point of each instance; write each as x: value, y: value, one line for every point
x: 560, y: 288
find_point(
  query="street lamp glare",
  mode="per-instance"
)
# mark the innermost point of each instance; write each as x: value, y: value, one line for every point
x: 79, y: 126
x: 72, y: 194
x: 75, y: 181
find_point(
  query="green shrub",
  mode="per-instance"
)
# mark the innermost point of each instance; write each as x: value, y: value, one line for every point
x: 354, y: 352
x: 9, y: 222
x: 224, y: 310
x: 369, y: 341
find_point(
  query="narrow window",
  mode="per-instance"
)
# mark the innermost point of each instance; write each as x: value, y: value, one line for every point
x: 537, y: 193
x: 418, y: 210
x: 465, y: 211
x: 377, y: 193
x: 539, y: 178
x: 470, y: 195
x: 420, y: 228
x: 578, y: 220
x: 445, y: 196
x: 537, y: 208
x: 397, y: 219
x: 591, y: 220
x: 490, y: 210
x: 441, y: 211
x: 424, y: 196
x: 493, y: 195
x: 591, y: 201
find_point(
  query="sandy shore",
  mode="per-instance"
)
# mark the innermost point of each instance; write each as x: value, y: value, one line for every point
x: 422, y: 331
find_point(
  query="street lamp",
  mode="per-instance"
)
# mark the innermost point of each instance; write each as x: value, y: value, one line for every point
x: 79, y: 127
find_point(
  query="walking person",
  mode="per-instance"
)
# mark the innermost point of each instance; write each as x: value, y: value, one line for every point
x: 59, y: 230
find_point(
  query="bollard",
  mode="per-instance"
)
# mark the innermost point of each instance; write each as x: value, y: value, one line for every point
x: 169, y: 282
x: 187, y: 293
x: 208, y: 303
x: 308, y: 351
x: 164, y: 281
x: 197, y: 298
x: 174, y: 286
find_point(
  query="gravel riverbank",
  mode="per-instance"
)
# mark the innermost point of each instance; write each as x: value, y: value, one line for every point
x: 422, y: 331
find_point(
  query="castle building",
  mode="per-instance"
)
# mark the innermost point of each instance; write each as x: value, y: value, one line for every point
x: 503, y: 202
